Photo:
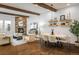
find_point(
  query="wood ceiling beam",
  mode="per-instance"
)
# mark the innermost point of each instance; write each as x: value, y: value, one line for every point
x: 46, y: 6
x: 18, y: 9
x: 11, y: 14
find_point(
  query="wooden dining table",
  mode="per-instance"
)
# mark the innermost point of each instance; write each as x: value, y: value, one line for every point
x: 59, y: 38
x: 63, y: 37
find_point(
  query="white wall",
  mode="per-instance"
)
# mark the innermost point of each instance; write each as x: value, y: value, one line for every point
x: 74, y: 15
x: 73, y: 10
x: 10, y: 18
x: 44, y: 18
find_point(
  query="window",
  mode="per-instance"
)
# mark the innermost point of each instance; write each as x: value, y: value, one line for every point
x: 7, y: 25
x: 1, y: 26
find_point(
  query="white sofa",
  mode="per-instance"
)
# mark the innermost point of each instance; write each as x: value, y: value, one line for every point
x: 4, y: 39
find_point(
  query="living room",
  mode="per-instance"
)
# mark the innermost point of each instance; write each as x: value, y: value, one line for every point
x: 39, y: 28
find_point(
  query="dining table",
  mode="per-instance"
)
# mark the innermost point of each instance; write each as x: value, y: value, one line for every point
x: 59, y: 39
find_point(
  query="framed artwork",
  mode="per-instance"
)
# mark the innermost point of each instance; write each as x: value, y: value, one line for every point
x: 62, y: 17
x: 20, y: 23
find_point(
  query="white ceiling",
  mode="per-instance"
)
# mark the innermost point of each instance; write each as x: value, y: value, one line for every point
x: 62, y: 5
x: 32, y: 7
x: 27, y: 6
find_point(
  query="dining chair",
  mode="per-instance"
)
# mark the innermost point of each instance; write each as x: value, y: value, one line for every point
x: 44, y: 41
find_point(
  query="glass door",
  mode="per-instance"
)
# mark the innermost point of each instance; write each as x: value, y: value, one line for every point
x: 7, y: 25
x: 1, y: 26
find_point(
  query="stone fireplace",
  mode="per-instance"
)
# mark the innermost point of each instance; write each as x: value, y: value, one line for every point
x: 21, y: 24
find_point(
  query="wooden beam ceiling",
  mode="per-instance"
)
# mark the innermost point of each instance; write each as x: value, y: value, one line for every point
x: 11, y: 14
x: 18, y: 9
x: 46, y: 6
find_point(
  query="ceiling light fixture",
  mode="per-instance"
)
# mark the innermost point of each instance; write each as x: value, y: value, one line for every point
x: 68, y: 4
x: 35, y: 5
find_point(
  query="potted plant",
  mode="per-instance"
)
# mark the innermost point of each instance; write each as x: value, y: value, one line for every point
x: 74, y: 28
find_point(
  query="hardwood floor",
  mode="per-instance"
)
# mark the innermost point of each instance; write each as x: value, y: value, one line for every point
x: 34, y: 48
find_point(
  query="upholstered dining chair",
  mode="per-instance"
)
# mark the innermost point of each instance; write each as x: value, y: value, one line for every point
x: 44, y: 41
x: 52, y: 40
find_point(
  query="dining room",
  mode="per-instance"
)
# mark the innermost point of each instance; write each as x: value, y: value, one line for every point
x: 39, y: 28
